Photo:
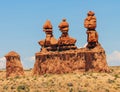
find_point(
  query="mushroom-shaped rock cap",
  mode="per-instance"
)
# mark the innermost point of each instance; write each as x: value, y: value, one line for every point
x: 12, y: 53
x: 47, y: 25
x: 63, y: 24
x: 91, y: 13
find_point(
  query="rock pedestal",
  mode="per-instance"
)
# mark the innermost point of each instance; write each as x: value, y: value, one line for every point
x: 13, y: 65
x: 81, y: 60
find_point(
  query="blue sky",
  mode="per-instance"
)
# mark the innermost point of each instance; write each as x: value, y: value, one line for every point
x: 21, y: 25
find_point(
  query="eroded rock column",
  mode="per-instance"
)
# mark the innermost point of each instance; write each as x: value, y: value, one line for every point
x: 99, y: 63
x: 65, y: 42
x: 92, y: 35
x: 49, y: 43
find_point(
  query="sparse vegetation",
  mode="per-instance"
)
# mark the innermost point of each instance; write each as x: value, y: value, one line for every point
x: 23, y: 88
x: 72, y: 82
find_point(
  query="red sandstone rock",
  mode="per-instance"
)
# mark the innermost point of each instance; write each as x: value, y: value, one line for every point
x: 64, y: 26
x: 47, y: 25
x: 92, y: 35
x: 49, y: 43
x: 13, y: 65
x: 65, y: 42
x: 68, y: 58
x: 71, y: 60
x: 90, y: 21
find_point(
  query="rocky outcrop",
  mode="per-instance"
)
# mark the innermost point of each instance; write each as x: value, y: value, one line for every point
x: 67, y: 58
x: 81, y: 60
x: 13, y: 65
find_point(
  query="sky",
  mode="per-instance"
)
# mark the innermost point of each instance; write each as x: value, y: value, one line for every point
x: 21, y: 23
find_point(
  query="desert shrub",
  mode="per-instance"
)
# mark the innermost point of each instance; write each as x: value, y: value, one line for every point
x: 116, y: 76
x: 69, y: 84
x: 51, y: 83
x: 107, y: 90
x: 23, y: 88
x: 34, y: 78
x: 17, y: 77
x: 5, y: 87
x: 82, y: 91
x: 86, y: 85
x: 13, y: 87
x: 71, y: 90
x: 52, y: 91
x: 45, y: 84
x: 110, y: 81
x: 95, y: 77
x: 1, y: 79
x: 46, y: 75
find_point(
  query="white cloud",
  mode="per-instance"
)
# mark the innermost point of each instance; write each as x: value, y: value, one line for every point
x: 114, y: 58
x: 31, y: 58
x: 85, y: 45
x: 28, y: 62
x: 2, y: 62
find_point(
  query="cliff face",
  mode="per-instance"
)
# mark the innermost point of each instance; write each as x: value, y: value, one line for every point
x: 82, y: 59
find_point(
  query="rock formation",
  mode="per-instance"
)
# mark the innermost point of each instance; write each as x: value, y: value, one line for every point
x: 92, y: 35
x: 49, y: 43
x: 71, y: 60
x: 13, y: 65
x: 65, y: 42
x: 67, y: 58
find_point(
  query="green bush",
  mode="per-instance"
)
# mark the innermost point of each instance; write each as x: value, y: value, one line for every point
x: 23, y: 88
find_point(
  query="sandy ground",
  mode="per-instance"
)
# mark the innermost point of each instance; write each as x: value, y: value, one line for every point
x: 72, y: 82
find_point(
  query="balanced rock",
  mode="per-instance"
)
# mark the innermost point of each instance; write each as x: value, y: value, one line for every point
x: 13, y: 65
x: 90, y: 21
x: 49, y: 43
x: 92, y: 35
x: 65, y: 42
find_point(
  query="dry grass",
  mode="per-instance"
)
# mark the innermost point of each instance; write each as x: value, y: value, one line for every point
x: 72, y: 82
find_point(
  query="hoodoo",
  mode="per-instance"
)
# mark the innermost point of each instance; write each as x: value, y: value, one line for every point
x: 13, y: 65
x: 49, y: 43
x: 63, y: 56
x: 65, y: 42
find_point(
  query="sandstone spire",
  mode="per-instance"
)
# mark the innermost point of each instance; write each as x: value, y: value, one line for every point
x: 49, y: 43
x: 92, y: 35
x: 65, y: 42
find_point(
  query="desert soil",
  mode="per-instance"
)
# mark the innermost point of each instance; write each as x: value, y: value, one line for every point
x: 72, y: 82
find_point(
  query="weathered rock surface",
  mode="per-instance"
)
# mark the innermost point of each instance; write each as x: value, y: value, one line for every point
x: 13, y: 65
x: 82, y: 59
